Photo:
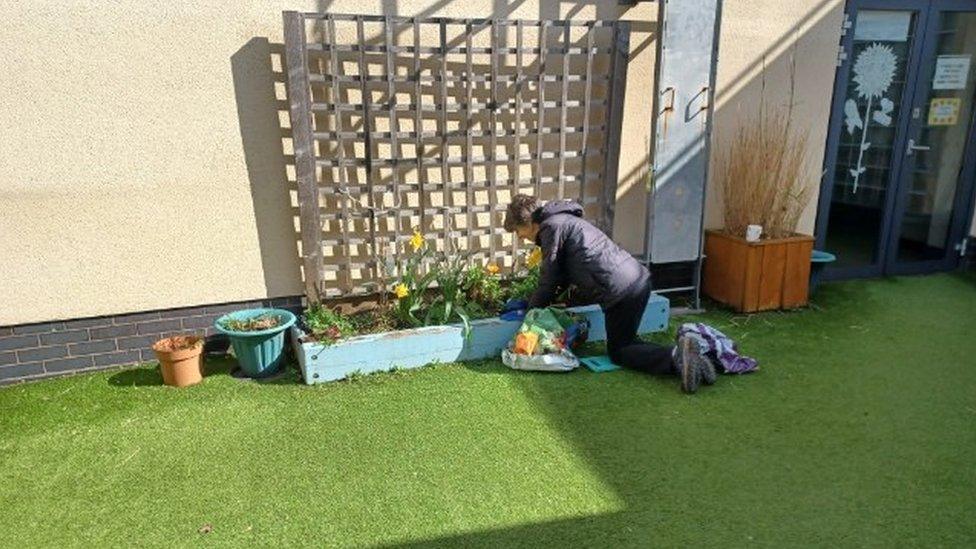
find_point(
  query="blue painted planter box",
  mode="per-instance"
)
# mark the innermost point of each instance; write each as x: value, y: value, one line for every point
x: 422, y: 346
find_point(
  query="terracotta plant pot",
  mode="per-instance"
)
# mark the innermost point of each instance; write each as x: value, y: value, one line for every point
x: 757, y: 276
x: 180, y: 360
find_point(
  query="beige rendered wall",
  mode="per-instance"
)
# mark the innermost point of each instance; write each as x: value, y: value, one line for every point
x: 760, y: 39
x: 141, y: 165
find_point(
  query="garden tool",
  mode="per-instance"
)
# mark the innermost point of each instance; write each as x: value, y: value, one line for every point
x: 599, y: 363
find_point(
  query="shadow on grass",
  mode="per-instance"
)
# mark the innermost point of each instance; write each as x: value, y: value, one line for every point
x: 966, y: 276
x: 289, y: 375
x: 137, y: 376
x: 558, y: 533
x: 214, y: 366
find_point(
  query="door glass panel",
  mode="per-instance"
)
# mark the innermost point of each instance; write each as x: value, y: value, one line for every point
x: 934, y: 176
x: 878, y: 64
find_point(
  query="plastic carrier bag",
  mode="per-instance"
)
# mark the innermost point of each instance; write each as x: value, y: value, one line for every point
x: 544, y: 340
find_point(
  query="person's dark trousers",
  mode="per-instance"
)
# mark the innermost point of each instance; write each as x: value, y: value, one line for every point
x: 623, y: 347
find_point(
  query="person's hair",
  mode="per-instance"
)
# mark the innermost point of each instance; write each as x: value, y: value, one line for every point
x: 520, y: 211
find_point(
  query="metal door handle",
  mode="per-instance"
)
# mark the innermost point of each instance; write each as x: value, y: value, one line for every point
x: 670, y: 104
x: 912, y: 147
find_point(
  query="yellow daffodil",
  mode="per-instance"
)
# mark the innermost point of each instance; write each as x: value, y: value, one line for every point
x: 493, y: 268
x: 535, y: 258
x: 401, y: 291
x: 417, y: 241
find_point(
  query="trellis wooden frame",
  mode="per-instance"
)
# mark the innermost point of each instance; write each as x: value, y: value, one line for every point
x: 354, y: 221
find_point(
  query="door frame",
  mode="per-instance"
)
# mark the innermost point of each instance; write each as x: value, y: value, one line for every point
x: 841, y: 81
x: 961, y: 206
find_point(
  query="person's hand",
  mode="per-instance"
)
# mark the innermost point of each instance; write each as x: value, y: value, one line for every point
x: 514, y: 309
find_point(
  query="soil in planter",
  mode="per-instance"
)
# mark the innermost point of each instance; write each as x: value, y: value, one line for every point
x: 256, y: 324
x: 329, y: 326
x: 334, y: 326
x: 176, y: 343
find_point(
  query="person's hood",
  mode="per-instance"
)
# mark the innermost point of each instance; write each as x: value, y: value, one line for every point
x: 557, y: 207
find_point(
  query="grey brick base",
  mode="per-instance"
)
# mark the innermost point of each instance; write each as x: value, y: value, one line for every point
x: 48, y: 349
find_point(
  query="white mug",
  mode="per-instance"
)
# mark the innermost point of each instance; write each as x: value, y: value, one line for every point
x: 753, y: 232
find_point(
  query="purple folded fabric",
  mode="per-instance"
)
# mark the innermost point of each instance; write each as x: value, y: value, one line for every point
x: 719, y: 348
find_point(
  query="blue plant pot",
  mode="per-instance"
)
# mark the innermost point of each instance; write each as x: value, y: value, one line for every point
x: 259, y: 353
x: 818, y: 261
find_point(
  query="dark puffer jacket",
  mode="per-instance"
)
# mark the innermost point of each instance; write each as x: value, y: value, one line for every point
x: 576, y: 253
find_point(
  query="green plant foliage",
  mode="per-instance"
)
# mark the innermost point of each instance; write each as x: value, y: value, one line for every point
x: 523, y: 284
x: 411, y: 291
x: 434, y: 288
x: 450, y: 300
x: 255, y: 324
x: 327, y: 325
x: 483, y: 288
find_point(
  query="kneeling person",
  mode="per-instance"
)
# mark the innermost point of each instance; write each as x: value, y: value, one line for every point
x: 576, y: 253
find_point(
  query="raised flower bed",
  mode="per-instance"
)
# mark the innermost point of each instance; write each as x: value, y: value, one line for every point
x: 438, y: 297
x: 418, y: 347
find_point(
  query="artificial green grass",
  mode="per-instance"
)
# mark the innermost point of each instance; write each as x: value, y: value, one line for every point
x: 858, y: 430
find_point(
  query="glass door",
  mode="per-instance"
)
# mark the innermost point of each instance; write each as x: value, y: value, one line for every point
x: 935, y: 184
x: 870, y: 118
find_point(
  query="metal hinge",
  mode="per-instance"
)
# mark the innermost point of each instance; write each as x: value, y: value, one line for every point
x: 846, y: 24
x: 841, y: 54
x: 963, y: 247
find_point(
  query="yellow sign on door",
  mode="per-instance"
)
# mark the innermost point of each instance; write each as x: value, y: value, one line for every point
x: 944, y: 111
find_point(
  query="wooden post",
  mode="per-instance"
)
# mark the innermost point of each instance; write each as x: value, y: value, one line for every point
x: 587, y: 98
x: 300, y: 113
x: 394, y: 126
x: 469, y: 146
x: 492, y: 171
x: 516, y: 168
x: 541, y: 113
x: 341, y: 148
x: 448, y: 205
x: 368, y: 150
x: 418, y: 128
x: 615, y: 106
x: 564, y: 99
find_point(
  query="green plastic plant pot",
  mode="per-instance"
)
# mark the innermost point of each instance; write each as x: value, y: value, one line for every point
x: 259, y: 353
x: 819, y: 260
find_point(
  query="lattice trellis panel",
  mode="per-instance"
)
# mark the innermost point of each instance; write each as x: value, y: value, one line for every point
x: 434, y: 123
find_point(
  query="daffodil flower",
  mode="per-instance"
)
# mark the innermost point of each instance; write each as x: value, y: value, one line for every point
x: 401, y: 291
x: 535, y: 258
x: 417, y: 241
x: 492, y: 268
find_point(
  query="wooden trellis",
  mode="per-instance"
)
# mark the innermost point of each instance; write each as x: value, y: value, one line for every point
x: 433, y: 124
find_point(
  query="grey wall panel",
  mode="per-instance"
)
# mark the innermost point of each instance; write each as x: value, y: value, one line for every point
x: 685, y: 91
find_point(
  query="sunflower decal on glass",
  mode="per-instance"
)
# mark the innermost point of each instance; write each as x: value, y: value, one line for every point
x: 874, y: 70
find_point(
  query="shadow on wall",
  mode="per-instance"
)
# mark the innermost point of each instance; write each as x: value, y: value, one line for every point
x: 258, y: 107
x: 767, y: 82
x: 634, y: 469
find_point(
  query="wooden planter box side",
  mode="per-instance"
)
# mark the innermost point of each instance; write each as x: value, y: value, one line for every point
x: 757, y: 276
x: 419, y: 347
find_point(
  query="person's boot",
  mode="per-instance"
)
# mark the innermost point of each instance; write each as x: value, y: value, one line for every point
x: 694, y: 368
x: 708, y: 372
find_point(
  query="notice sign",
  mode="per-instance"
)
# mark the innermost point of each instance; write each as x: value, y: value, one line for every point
x: 951, y: 72
x: 944, y: 111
